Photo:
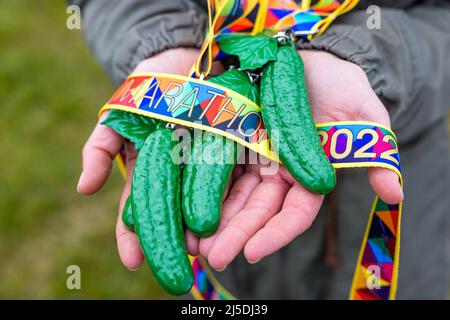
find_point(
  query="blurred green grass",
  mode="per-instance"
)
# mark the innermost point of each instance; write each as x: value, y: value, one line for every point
x: 51, y: 88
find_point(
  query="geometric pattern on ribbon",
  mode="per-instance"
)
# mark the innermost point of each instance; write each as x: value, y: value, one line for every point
x: 184, y: 99
x: 202, y: 285
x: 203, y: 288
x: 377, y: 267
x: 241, y: 16
x: 194, y: 103
x: 350, y: 144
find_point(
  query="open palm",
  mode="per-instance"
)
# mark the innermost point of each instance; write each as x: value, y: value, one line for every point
x: 263, y: 213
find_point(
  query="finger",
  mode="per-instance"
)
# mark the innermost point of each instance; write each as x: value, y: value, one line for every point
x: 299, y: 211
x: 383, y: 181
x: 191, y: 243
x: 386, y: 185
x: 98, y: 154
x: 237, y: 197
x: 237, y: 172
x: 263, y: 203
x: 130, y: 251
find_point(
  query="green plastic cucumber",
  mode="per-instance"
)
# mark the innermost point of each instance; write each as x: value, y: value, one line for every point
x: 127, y: 213
x: 204, y: 182
x: 157, y: 214
x: 286, y: 108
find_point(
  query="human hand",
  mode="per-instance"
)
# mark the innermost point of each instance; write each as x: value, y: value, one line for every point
x: 104, y: 144
x: 263, y: 213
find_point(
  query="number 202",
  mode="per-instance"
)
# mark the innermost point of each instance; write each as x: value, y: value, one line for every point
x: 362, y: 151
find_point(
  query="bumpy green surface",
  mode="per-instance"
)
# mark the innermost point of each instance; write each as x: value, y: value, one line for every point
x: 286, y: 108
x: 127, y: 213
x: 157, y: 213
x: 207, y: 172
x: 204, y: 183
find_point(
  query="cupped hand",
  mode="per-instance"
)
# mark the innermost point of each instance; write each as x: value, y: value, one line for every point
x: 104, y: 144
x: 263, y: 213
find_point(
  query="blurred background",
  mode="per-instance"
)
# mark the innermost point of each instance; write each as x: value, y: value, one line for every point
x: 51, y: 89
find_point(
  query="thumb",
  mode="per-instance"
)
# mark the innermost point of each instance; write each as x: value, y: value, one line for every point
x: 384, y: 182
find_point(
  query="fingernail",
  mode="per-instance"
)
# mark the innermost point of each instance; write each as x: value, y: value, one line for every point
x: 220, y: 270
x: 133, y: 269
x: 254, y: 261
x: 80, y: 181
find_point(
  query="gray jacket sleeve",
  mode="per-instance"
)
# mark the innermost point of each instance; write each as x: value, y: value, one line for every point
x: 407, y: 61
x: 123, y: 33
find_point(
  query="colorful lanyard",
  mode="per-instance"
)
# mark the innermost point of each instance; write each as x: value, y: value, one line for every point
x: 196, y: 103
